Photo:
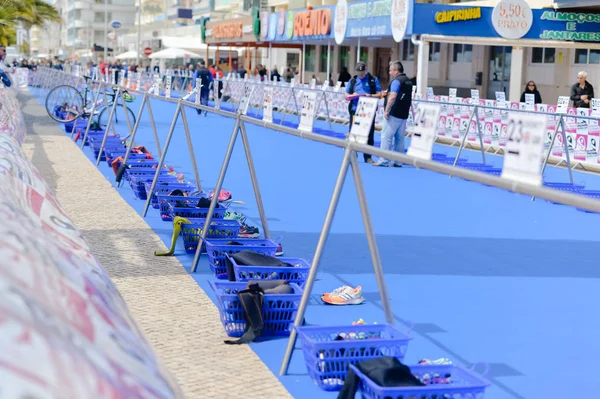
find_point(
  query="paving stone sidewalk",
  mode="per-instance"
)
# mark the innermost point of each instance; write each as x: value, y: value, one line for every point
x: 174, y: 313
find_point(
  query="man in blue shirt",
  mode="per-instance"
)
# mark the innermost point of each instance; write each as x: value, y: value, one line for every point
x: 396, y: 111
x: 363, y: 84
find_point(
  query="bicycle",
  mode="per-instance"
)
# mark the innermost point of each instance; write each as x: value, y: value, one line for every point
x: 65, y: 103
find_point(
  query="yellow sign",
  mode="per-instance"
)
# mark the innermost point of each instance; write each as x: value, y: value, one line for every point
x: 464, y: 14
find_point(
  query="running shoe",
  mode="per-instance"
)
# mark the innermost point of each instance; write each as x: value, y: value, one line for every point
x: 224, y: 195
x: 349, y: 296
x: 235, y: 216
x: 248, y: 232
x: 279, y: 251
x: 336, y: 291
x: 436, y: 362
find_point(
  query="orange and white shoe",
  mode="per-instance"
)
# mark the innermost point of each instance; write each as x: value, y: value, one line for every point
x: 344, y: 296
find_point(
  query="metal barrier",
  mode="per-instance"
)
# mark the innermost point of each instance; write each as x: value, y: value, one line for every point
x: 349, y: 160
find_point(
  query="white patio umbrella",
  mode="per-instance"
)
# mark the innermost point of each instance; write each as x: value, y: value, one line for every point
x: 129, y: 55
x: 173, y: 53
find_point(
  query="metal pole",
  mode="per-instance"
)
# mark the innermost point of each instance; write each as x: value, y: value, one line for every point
x: 303, y: 61
x: 370, y: 233
x: 151, y: 116
x: 110, y: 118
x: 188, y: 137
x: 337, y: 190
x: 479, y: 134
x: 328, y: 61
x: 91, y: 117
x: 134, y: 131
x: 213, y: 203
x: 139, y: 33
x: 106, y: 31
x: 558, y: 125
x: 255, y: 186
x: 162, y: 157
x: 464, y: 139
x: 358, y: 51
x: 564, y: 136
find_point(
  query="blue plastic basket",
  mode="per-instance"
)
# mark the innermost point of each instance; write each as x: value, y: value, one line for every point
x: 296, y: 274
x: 166, y: 203
x: 189, y: 213
x: 279, y: 311
x: 217, y: 250
x: 565, y: 186
x: 163, y: 190
x: 115, y: 153
x: 460, y: 384
x: 191, y: 232
x: 142, y: 163
x: 137, y: 179
x: 327, y: 359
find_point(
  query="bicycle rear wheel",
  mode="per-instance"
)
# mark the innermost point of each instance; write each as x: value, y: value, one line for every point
x: 119, y: 119
x: 64, y: 103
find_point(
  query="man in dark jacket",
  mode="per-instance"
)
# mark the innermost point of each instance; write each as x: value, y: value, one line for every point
x: 582, y: 92
x: 205, y: 77
x: 396, y: 113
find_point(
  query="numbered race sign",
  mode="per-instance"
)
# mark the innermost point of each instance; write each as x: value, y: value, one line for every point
x: 313, y: 83
x: 562, y: 105
x: 501, y: 99
x: 363, y: 119
x: 524, y: 148
x: 139, y: 81
x: 198, y: 88
x: 268, y: 104
x: 452, y: 95
x: 245, y: 102
x: 424, y: 131
x: 168, y: 83
x: 307, y: 114
x: 337, y: 87
x: 114, y: 76
x: 530, y: 102
x: 155, y: 86
x: 595, y: 107
x: 430, y: 93
x: 475, y: 96
x: 122, y: 79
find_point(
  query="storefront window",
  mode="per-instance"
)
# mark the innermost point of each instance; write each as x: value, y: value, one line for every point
x: 462, y: 53
x: 581, y: 56
x: 364, y: 54
x: 594, y: 57
x: 323, y: 61
x: 344, y: 57
x: 540, y: 55
x: 408, y: 50
x: 309, y: 58
x: 434, y: 52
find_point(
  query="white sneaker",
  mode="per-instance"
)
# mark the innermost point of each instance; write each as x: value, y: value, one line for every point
x: 346, y: 296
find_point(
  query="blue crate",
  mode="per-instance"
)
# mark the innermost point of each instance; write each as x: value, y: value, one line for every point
x: 279, y: 311
x: 166, y: 203
x: 120, y: 152
x: 142, y: 163
x: 169, y: 211
x: 137, y: 179
x: 217, y: 250
x: 327, y: 359
x: 461, y: 384
x: 163, y: 190
x: 191, y: 232
x: 297, y: 274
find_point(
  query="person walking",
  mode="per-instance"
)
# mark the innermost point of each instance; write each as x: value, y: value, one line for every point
x: 205, y: 77
x: 582, y: 92
x: 396, y: 111
x: 363, y: 84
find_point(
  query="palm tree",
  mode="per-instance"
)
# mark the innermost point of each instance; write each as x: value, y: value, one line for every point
x: 28, y: 13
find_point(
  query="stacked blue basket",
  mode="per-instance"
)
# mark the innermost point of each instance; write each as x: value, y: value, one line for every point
x: 218, y: 249
x: 191, y: 232
x: 297, y: 274
x: 327, y: 356
x: 162, y: 190
x: 279, y: 311
x: 453, y: 382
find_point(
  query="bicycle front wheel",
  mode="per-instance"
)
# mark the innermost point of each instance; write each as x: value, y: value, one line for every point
x: 119, y: 119
x: 64, y: 104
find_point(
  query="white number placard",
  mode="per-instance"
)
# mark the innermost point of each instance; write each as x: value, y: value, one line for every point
x: 562, y: 105
x: 168, y: 83
x: 245, y: 102
x: 363, y: 119
x: 530, y: 102
x: 430, y: 93
x: 525, y: 134
x: 307, y: 114
x: 268, y: 104
x: 155, y: 86
x: 424, y: 131
x: 474, y: 96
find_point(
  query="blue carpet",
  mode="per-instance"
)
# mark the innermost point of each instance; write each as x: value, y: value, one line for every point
x: 482, y: 273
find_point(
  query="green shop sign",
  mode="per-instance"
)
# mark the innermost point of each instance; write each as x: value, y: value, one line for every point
x: 369, y: 9
x: 569, y: 26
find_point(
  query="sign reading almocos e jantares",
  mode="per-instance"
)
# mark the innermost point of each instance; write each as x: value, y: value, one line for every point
x: 572, y: 22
